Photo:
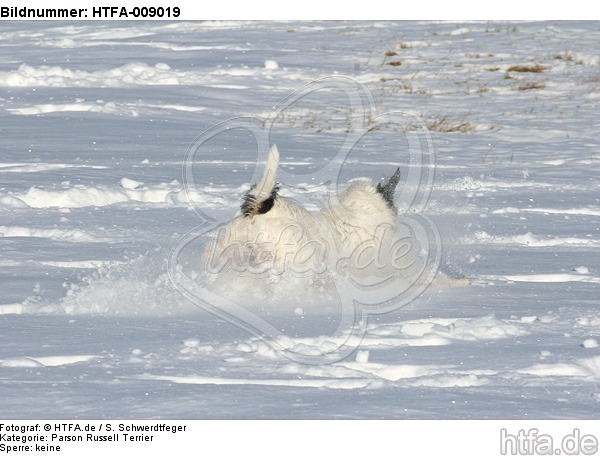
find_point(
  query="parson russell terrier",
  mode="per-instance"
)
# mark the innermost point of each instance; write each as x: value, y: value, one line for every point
x: 356, y: 236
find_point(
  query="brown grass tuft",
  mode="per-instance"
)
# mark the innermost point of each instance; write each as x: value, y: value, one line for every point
x: 532, y: 86
x: 527, y: 68
x: 447, y: 125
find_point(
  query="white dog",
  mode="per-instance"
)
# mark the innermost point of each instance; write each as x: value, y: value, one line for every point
x: 356, y: 238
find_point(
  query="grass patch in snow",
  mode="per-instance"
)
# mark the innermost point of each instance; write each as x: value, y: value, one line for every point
x: 527, y: 68
x: 446, y: 124
x: 532, y: 86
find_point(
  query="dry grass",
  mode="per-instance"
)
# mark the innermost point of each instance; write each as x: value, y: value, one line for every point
x: 388, y: 55
x: 384, y: 79
x: 527, y: 68
x: 402, y: 87
x: 569, y: 57
x: 477, y: 55
x: 446, y: 124
x: 566, y: 56
x: 532, y: 86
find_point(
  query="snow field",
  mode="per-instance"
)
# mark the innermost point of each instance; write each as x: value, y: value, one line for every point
x: 96, y: 121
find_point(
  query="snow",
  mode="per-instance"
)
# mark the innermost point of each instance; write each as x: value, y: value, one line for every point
x: 590, y: 343
x: 131, y: 184
x: 83, y: 196
x: 271, y: 65
x: 99, y: 119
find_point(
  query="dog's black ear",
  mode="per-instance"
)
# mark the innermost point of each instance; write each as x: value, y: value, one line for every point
x: 261, y: 197
x: 388, y: 189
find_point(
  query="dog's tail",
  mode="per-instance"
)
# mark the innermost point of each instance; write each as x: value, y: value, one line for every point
x: 261, y: 197
x: 388, y: 189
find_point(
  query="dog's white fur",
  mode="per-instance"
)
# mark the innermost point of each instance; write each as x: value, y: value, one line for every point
x: 356, y: 236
